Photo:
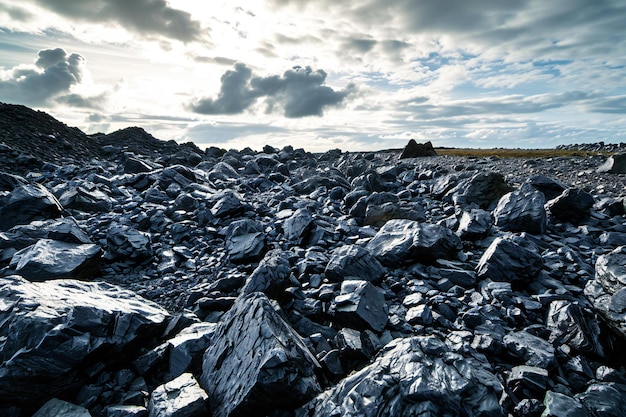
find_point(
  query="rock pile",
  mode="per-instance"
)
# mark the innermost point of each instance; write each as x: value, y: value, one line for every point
x: 160, y: 280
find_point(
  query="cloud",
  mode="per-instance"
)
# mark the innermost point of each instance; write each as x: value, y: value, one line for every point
x: 144, y: 17
x: 53, y: 74
x: 88, y: 102
x: 300, y: 92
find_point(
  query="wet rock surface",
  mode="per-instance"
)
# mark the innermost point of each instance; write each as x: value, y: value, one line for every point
x: 286, y: 283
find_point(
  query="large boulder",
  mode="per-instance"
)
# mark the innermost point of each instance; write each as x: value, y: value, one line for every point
x: 271, y: 276
x: 401, y: 242
x: 53, y: 259
x: 416, y: 150
x: 522, y: 211
x: 128, y: 243
x: 483, y: 189
x: 353, y: 262
x: 413, y: 377
x: 607, y: 292
x: 573, y: 206
x: 181, y: 397
x: 506, y: 261
x: 50, y: 330
x: 60, y: 408
x: 615, y: 164
x: 360, y: 305
x: 257, y: 363
x: 27, y: 203
x: 245, y: 241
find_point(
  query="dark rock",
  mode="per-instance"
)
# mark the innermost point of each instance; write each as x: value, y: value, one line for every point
x: 522, y: 211
x: 256, y: 363
x: 128, y: 243
x: 298, y: 227
x: 245, y: 241
x: 561, y: 405
x: 181, y: 397
x: 533, y: 350
x: 527, y: 382
x: 570, y: 325
x: 27, y: 203
x: 378, y: 215
x: 8, y: 182
x: 416, y: 150
x: 53, y: 259
x: 86, y: 199
x: 549, y: 187
x: 50, y: 328
x: 360, y: 305
x: 271, y: 276
x: 573, y: 206
x: 187, y: 346
x: 59, y: 408
x: 353, y: 262
x: 474, y: 224
x: 605, y: 399
x: 615, y: 164
x: 227, y: 205
x: 136, y: 166
x: 483, y: 189
x: 401, y: 242
x: 126, y: 411
x: 505, y: 260
x: 410, y: 377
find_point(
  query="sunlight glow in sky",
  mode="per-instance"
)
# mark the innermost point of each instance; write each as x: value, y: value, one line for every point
x: 323, y: 74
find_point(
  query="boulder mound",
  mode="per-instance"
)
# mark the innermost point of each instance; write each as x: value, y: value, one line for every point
x: 416, y: 150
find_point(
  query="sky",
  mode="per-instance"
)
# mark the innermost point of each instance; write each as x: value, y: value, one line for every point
x: 324, y: 74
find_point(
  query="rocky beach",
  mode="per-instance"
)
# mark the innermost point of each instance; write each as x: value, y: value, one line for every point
x: 142, y: 277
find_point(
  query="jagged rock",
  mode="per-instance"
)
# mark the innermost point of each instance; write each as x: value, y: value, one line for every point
x: 416, y: 150
x: 561, y: 405
x: 86, y: 199
x: 245, y: 241
x: 256, y: 362
x: 506, y: 261
x: 550, y: 188
x: 607, y: 292
x: 483, y: 189
x: 573, y: 205
x: 605, y: 399
x: 360, y: 305
x: 126, y: 411
x: 353, y: 262
x: 527, y: 382
x: 53, y: 259
x: 570, y: 325
x: 378, y: 215
x: 298, y: 227
x: 188, y: 345
x: 271, y: 276
x: 228, y: 204
x: 59, y: 408
x: 222, y: 171
x: 522, y: 211
x: 8, y: 181
x: 128, y: 243
x: 474, y: 224
x: 27, y: 203
x: 533, y: 350
x: 615, y: 164
x: 410, y: 377
x: 181, y: 397
x: 136, y: 166
x: 401, y: 242
x: 49, y: 329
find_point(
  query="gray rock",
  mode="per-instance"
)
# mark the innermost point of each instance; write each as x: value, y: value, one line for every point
x: 256, y: 362
x: 245, y: 241
x: 506, y: 261
x: 410, y: 377
x: 527, y: 382
x: 569, y: 324
x: 49, y: 329
x: 402, y: 242
x: 126, y: 411
x: 483, y: 189
x: 615, y: 164
x: 474, y: 224
x: 227, y: 205
x: 298, y: 227
x: 533, y: 350
x: 87, y: 199
x: 27, y: 203
x: 605, y: 399
x: 607, y: 292
x: 378, y: 214
x: 53, y: 259
x: 181, y: 397
x: 360, y: 305
x: 573, y: 206
x: 128, y: 243
x: 271, y: 276
x: 187, y: 346
x: 59, y: 408
x: 547, y: 186
x: 522, y: 211
x: 136, y: 166
x: 353, y: 262
x: 417, y: 150
x: 561, y: 405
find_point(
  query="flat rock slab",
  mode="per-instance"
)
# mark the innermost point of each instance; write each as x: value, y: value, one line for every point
x: 257, y: 363
x: 27, y: 203
x: 49, y: 329
x: 181, y: 397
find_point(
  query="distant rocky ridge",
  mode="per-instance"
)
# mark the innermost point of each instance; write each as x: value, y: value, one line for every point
x: 140, y: 277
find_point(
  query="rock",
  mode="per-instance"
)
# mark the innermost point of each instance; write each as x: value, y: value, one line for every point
x: 353, y: 262
x: 245, y: 241
x: 410, y: 377
x: 573, y: 206
x: 605, y: 399
x: 50, y: 328
x: 27, y: 203
x: 360, y: 305
x: 129, y: 244
x: 227, y: 205
x: 522, y: 211
x: 86, y: 199
x: 402, y: 242
x: 298, y: 227
x: 561, y: 405
x: 187, y: 346
x: 256, y: 363
x: 271, y: 276
x: 378, y: 215
x: 53, y: 259
x: 59, y: 408
x: 421, y: 315
x: 126, y: 411
x: 570, y: 325
x: 506, y: 261
x: 527, y: 382
x: 533, y: 350
x: 550, y: 188
x: 615, y: 164
x: 607, y: 291
x: 474, y: 224
x: 181, y: 397
x: 136, y: 166
x: 416, y: 150
x: 483, y: 189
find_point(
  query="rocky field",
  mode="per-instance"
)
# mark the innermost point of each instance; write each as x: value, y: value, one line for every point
x: 146, y: 278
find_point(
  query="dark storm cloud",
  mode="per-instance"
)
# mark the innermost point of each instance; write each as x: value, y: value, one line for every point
x: 145, y: 17
x: 300, y: 92
x: 54, y: 74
